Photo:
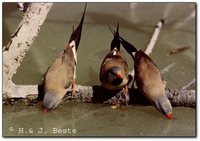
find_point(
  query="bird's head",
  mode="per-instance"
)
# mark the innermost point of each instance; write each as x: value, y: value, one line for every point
x: 50, y: 101
x: 163, y: 105
x: 114, y: 75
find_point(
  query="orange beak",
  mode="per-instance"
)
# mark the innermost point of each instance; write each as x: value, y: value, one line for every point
x: 169, y: 115
x: 118, y: 75
x: 45, y: 110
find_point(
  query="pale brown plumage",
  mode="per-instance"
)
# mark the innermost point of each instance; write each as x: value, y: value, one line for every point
x: 151, y: 83
x: 148, y: 79
x: 114, y: 68
x: 148, y: 76
x: 58, y: 78
x: 61, y: 74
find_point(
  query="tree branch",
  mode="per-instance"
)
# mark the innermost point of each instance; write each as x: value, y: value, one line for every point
x: 97, y: 94
x: 192, y: 82
x: 19, y: 45
x: 154, y: 37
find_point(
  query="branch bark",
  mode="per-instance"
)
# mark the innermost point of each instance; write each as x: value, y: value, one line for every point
x: 19, y: 45
x: 181, y: 97
x: 97, y: 94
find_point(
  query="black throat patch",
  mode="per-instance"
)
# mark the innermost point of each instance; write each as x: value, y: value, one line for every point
x: 117, y: 82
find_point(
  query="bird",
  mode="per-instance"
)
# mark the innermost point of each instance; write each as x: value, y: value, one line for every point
x: 114, y: 68
x: 61, y: 75
x: 148, y: 79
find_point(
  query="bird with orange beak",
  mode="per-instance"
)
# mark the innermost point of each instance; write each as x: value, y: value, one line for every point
x: 148, y: 79
x: 61, y: 74
x: 114, y: 68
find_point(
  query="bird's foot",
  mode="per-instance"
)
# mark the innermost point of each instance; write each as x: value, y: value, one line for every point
x: 71, y: 93
x: 125, y: 95
x: 73, y: 89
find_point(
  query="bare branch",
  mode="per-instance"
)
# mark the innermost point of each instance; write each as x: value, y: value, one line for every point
x: 97, y: 94
x: 193, y: 81
x: 184, y: 98
x: 186, y: 20
x: 20, y: 43
x: 166, y: 69
x: 154, y: 37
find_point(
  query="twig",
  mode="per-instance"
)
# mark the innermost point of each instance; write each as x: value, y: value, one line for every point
x: 184, y: 21
x: 154, y: 37
x: 177, y: 50
x: 189, y: 84
x: 152, y: 42
x: 166, y: 69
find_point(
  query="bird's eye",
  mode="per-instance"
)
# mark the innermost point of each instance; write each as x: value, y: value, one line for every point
x: 112, y: 73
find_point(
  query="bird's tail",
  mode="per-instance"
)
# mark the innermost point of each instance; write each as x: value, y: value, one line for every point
x: 127, y: 46
x: 76, y: 34
x: 116, y: 42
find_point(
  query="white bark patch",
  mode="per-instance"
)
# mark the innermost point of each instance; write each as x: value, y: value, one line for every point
x: 19, y: 45
x: 154, y: 38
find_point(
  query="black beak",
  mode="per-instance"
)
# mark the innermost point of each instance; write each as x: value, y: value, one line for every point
x: 76, y: 35
x: 127, y: 46
x: 116, y: 42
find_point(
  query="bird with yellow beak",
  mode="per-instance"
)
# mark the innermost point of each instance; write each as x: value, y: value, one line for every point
x: 61, y: 75
x: 114, y: 68
x: 148, y: 79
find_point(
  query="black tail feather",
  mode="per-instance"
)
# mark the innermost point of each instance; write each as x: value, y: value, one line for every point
x: 127, y: 46
x: 76, y: 34
x: 116, y: 42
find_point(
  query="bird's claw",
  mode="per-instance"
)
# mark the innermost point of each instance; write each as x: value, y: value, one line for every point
x: 124, y: 97
x: 74, y: 89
